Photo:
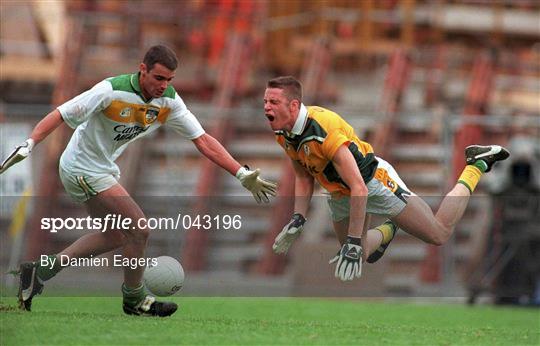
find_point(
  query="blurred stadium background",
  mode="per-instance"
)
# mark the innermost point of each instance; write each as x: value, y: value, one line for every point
x: 418, y: 79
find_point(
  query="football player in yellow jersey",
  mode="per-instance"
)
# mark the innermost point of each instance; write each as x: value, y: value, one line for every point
x: 324, y: 147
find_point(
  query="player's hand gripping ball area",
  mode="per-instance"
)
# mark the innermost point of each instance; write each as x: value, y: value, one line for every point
x: 164, y: 276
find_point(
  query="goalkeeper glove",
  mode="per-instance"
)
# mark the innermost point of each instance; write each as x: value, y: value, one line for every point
x: 259, y: 187
x: 349, y: 260
x: 20, y: 153
x: 288, y: 234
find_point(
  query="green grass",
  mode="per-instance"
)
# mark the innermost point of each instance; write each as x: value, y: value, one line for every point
x: 99, y: 320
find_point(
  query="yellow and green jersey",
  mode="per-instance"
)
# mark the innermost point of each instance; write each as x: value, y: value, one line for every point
x: 113, y: 114
x: 314, y: 140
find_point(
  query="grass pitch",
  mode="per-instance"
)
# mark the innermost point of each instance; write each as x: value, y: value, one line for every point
x: 259, y: 321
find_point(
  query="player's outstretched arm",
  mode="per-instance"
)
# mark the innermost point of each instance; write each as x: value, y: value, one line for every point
x: 213, y: 150
x: 40, y: 132
x: 349, y: 263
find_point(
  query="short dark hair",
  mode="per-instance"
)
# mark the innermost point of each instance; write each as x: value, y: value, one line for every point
x: 292, y: 88
x: 160, y: 54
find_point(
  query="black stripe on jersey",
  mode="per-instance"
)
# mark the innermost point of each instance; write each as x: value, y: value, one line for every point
x: 312, y: 132
x: 366, y: 164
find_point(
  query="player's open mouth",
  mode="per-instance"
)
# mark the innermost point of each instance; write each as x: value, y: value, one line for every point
x: 270, y: 117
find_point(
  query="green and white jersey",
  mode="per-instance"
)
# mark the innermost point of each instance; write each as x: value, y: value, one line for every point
x: 113, y: 114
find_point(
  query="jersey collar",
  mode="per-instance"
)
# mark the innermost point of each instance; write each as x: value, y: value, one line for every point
x: 134, y: 80
x: 300, y: 123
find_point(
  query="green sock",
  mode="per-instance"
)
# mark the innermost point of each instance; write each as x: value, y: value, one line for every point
x: 481, y: 165
x: 132, y: 296
x: 44, y: 273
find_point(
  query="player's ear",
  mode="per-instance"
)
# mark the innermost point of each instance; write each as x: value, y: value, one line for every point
x: 294, y: 106
x: 143, y: 68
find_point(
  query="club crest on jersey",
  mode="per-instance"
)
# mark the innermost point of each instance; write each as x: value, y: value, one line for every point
x: 126, y: 112
x: 306, y: 149
x: 151, y: 114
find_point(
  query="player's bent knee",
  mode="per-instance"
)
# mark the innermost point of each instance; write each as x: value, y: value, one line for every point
x: 437, y: 241
x: 142, y: 234
x: 440, y: 236
x: 117, y: 238
x: 138, y: 235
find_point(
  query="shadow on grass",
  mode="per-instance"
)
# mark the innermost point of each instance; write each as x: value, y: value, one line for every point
x: 7, y: 308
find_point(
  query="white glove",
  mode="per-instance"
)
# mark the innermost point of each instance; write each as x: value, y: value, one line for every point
x: 20, y: 153
x: 259, y: 187
x: 288, y: 234
x: 349, y: 260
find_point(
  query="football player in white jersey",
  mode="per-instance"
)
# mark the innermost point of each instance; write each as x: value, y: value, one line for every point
x: 106, y: 119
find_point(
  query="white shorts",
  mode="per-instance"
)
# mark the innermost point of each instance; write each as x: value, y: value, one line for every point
x: 387, y: 195
x: 82, y: 187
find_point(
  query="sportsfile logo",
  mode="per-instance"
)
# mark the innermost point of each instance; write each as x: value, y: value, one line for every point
x: 110, y: 221
x: 119, y: 222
